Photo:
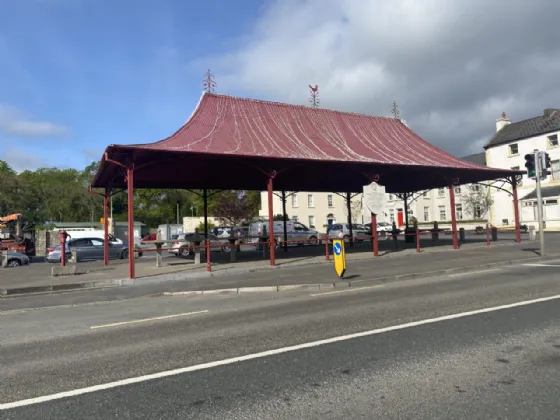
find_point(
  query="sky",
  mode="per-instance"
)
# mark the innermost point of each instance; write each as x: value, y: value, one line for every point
x: 78, y: 75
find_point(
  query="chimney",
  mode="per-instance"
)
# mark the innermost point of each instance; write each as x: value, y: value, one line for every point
x: 502, y: 122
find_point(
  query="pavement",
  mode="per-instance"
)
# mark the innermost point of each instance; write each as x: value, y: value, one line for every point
x: 484, y: 344
x: 34, y: 279
x: 320, y: 274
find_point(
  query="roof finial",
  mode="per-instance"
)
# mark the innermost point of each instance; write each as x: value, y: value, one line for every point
x: 209, y: 84
x: 314, y: 98
x: 504, y: 116
x: 395, y: 110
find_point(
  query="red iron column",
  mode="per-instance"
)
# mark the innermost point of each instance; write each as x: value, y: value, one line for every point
x: 516, y: 211
x: 453, y: 216
x: 271, y: 220
x: 374, y: 234
x: 106, y: 227
x: 130, y: 192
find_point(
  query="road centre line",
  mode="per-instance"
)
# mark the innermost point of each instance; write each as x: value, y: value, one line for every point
x: 352, y: 289
x: 137, y: 321
x: 468, y: 273
x: 174, y: 372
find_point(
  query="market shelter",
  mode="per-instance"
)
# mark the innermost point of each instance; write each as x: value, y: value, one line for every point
x: 239, y: 143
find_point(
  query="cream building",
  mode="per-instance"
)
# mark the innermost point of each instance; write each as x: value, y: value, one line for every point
x: 314, y: 209
x: 317, y: 209
x: 507, y: 149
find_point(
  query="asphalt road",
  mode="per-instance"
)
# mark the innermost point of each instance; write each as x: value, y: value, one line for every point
x: 502, y: 363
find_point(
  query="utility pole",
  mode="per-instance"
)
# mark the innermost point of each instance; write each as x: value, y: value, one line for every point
x: 538, y: 174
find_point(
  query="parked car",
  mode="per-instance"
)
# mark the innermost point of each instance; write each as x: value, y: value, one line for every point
x: 98, y: 234
x: 296, y: 232
x: 88, y: 249
x: 183, y: 247
x: 342, y: 231
x: 222, y: 231
x: 242, y: 233
x: 382, y: 227
x: 16, y: 259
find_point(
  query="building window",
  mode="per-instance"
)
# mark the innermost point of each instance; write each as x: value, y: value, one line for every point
x: 477, y: 212
x: 310, y: 203
x: 391, y: 216
x: 329, y: 200
x: 457, y: 190
x: 553, y: 140
x: 295, y: 202
x: 442, y: 215
x: 513, y: 149
x: 295, y: 218
x: 390, y: 196
x: 459, y: 211
x: 426, y: 214
x: 311, y: 221
x: 476, y: 188
x: 441, y: 192
x: 555, y: 169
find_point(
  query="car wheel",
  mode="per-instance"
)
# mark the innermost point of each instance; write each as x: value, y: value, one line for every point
x: 226, y: 248
x: 14, y: 263
x: 124, y: 254
x: 313, y: 241
x: 184, y: 252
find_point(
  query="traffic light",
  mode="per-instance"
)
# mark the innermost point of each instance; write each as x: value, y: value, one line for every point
x: 547, y: 163
x: 530, y: 164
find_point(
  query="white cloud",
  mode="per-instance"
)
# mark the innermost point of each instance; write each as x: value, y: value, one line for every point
x: 453, y: 67
x: 14, y: 123
x: 93, y: 154
x: 21, y: 160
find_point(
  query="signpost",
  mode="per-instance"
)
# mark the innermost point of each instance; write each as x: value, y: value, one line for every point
x: 538, y: 170
x: 339, y: 257
x: 537, y: 164
x: 374, y: 199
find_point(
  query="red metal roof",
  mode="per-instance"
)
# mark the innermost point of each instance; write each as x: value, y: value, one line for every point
x: 235, y: 143
x: 227, y: 125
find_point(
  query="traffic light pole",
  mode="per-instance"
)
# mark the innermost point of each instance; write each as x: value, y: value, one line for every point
x: 538, y: 170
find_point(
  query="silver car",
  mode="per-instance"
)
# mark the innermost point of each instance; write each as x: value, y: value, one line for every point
x: 88, y: 249
x: 184, y: 244
x: 16, y: 259
x: 342, y: 231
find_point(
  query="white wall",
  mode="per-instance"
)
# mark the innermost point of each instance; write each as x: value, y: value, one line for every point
x: 500, y: 157
x: 320, y: 209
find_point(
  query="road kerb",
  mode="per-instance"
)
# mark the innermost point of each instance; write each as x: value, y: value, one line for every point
x: 257, y: 289
x: 60, y: 288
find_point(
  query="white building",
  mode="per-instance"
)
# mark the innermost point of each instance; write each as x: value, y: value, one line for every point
x: 507, y: 149
x: 314, y: 209
x: 317, y: 209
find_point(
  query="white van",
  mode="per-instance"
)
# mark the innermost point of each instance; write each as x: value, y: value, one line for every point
x: 75, y: 234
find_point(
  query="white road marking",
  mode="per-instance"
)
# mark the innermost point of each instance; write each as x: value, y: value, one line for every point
x: 473, y: 272
x: 136, y: 321
x: 352, y: 289
x: 174, y: 372
x: 541, y: 265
